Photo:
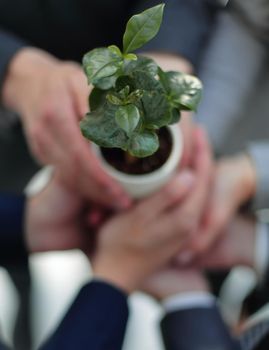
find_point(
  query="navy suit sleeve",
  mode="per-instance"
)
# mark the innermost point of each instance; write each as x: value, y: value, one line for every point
x: 185, y: 28
x: 96, y: 320
x: 199, y: 329
x: 3, y: 347
x: 12, y: 245
x: 9, y: 45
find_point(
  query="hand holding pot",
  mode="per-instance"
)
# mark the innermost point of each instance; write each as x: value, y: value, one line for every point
x: 133, y: 245
x: 53, y: 219
x: 172, y: 281
x: 235, y: 247
x: 51, y: 97
x: 234, y: 183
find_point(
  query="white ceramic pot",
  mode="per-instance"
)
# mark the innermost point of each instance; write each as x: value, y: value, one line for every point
x: 138, y: 186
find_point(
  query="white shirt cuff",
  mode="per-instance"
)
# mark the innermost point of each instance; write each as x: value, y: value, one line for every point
x: 190, y: 300
x: 261, y: 249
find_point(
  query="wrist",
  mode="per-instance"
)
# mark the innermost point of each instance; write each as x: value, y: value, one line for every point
x: 197, y: 284
x: 118, y: 275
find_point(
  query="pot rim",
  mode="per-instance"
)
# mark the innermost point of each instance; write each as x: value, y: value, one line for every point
x: 175, y: 155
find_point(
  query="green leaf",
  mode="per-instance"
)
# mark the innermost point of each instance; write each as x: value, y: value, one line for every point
x: 114, y: 100
x: 145, y: 81
x: 156, y: 109
x: 143, y: 64
x: 184, y: 90
x: 115, y: 50
x: 124, y: 92
x: 106, y: 83
x: 100, y: 127
x: 97, y: 98
x: 165, y: 80
x: 130, y: 56
x: 135, y: 96
x: 127, y: 117
x: 143, y: 144
x: 142, y: 27
x: 191, y: 92
x: 123, y: 81
x: 100, y: 64
x: 175, y: 116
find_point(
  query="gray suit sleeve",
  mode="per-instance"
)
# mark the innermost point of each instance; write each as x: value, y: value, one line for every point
x: 259, y: 153
x: 9, y: 45
x: 185, y: 28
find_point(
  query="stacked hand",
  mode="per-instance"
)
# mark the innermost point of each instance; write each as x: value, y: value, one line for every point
x: 133, y: 244
x: 51, y: 97
x: 233, y: 185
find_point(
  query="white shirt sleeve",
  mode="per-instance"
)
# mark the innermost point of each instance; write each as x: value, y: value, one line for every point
x: 190, y: 300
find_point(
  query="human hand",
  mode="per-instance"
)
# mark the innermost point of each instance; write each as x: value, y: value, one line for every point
x: 171, y: 280
x: 234, y: 183
x: 235, y: 247
x: 54, y: 219
x: 201, y: 164
x: 51, y: 97
x: 132, y: 245
x: 136, y: 243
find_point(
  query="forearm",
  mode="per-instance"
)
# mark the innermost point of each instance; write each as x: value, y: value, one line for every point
x: 96, y: 320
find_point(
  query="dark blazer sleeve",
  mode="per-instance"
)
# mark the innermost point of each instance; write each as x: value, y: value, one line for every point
x: 96, y: 320
x: 185, y: 29
x: 199, y: 329
x: 12, y: 245
x: 9, y: 45
x: 3, y: 347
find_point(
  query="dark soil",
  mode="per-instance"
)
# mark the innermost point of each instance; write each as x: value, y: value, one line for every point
x: 139, y: 166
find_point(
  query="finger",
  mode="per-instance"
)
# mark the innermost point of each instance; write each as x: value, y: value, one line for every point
x: 206, y: 239
x: 172, y: 193
x: 80, y: 92
x: 191, y: 211
x: 42, y: 146
x: 186, y: 126
x: 102, y: 187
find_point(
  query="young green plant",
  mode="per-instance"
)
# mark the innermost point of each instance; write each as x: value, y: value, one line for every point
x: 132, y: 97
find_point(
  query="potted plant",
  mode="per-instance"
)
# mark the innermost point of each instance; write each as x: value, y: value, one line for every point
x: 133, y: 105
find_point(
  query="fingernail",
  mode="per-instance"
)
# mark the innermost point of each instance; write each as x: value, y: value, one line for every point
x: 185, y: 257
